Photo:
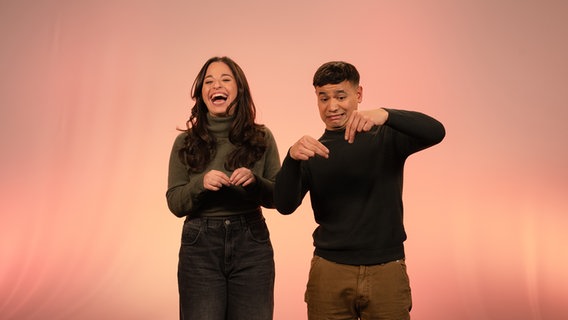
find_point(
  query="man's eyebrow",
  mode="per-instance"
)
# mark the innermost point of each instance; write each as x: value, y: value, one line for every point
x: 334, y: 92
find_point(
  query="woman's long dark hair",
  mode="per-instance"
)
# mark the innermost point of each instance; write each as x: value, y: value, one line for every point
x: 245, y: 134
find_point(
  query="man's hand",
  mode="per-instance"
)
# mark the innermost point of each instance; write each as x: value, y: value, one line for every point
x: 307, y: 147
x: 214, y: 180
x: 363, y: 121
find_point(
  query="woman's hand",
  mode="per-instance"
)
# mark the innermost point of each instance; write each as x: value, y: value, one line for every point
x: 215, y: 180
x: 242, y: 177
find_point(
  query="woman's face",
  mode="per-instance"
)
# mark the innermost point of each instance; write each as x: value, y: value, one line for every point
x: 219, y: 88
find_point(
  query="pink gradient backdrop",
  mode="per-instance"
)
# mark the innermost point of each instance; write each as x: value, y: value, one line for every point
x: 91, y: 93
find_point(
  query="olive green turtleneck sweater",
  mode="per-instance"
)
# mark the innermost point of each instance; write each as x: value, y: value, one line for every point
x: 186, y: 195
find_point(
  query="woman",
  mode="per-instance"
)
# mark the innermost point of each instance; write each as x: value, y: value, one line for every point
x: 222, y: 170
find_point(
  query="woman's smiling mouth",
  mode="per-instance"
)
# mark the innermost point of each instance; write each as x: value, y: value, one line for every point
x: 218, y: 98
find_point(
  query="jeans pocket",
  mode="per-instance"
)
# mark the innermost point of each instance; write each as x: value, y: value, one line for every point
x: 190, y: 233
x: 259, y: 231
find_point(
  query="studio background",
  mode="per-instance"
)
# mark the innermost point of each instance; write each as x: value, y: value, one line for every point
x: 91, y: 94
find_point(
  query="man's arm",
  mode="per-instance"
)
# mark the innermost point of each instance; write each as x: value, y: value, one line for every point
x: 264, y: 184
x: 289, y: 189
x: 425, y: 130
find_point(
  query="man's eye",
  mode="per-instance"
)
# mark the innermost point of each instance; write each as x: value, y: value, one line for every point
x: 323, y: 99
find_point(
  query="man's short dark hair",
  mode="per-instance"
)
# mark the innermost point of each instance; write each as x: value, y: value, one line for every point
x: 335, y: 72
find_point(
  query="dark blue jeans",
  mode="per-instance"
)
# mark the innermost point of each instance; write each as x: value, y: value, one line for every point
x: 226, y: 269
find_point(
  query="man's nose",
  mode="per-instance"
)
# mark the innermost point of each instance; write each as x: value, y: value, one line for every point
x: 333, y: 105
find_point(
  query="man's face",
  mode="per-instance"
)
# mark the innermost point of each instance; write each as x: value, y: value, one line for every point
x: 219, y: 88
x: 336, y: 102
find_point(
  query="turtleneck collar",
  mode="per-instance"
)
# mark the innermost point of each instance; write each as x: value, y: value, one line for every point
x: 335, y: 132
x: 220, y: 126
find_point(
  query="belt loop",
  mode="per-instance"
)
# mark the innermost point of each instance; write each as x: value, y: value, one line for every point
x: 204, y: 224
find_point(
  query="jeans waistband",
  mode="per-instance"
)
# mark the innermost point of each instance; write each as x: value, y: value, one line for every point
x: 238, y: 219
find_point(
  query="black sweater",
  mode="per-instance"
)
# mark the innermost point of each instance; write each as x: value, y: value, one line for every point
x: 356, y: 193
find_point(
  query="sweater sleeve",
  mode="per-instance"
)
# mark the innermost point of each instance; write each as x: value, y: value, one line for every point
x: 183, y: 193
x: 419, y: 131
x: 289, y: 189
x: 265, y: 178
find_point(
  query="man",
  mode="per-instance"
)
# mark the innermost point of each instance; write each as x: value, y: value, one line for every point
x: 354, y: 174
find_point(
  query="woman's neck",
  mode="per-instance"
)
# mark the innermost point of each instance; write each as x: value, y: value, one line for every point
x: 220, y: 126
